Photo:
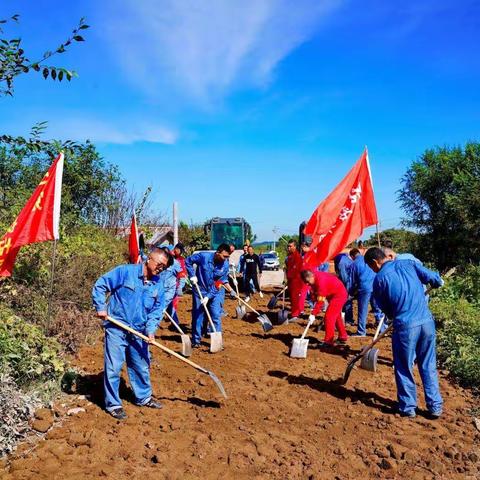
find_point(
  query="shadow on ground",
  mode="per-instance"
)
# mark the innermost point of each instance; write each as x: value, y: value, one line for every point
x: 335, y: 389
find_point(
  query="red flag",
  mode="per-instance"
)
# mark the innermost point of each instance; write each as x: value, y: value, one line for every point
x: 343, y: 215
x: 133, y: 244
x: 39, y: 219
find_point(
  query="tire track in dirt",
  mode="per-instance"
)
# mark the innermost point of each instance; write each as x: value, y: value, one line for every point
x: 284, y: 418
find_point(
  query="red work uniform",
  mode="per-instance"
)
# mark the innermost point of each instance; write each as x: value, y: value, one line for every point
x: 330, y: 287
x: 294, y: 264
x: 181, y: 277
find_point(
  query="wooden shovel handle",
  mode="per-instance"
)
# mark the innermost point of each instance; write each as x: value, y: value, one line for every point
x: 309, y: 324
x: 212, y: 325
x: 158, y: 345
x: 175, y: 324
x: 241, y: 300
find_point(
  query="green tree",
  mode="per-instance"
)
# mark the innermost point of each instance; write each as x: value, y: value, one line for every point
x: 440, y: 197
x: 14, y: 62
x: 88, y: 181
x: 193, y: 236
x: 400, y: 239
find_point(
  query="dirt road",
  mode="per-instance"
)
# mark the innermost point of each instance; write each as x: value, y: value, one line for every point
x: 285, y: 419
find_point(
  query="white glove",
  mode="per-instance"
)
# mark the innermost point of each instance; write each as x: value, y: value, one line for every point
x: 194, y: 280
x: 311, y: 318
x: 442, y: 282
x: 204, y: 301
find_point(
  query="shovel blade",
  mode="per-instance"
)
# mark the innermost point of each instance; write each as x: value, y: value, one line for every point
x: 272, y: 303
x: 216, y: 342
x: 241, y: 312
x: 218, y: 383
x: 266, y: 323
x: 186, y: 345
x: 282, y: 316
x: 369, y: 361
x: 299, y: 348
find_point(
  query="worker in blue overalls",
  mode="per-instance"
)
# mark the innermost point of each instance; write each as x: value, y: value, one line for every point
x: 398, y: 290
x: 137, y: 300
x: 361, y: 286
x: 207, y: 270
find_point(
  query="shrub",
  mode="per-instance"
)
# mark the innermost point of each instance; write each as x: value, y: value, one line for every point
x: 26, y: 354
x: 458, y: 338
x: 464, y: 284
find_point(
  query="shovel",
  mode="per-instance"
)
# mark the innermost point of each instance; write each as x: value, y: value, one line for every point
x: 262, y: 318
x: 186, y: 342
x: 239, y: 309
x: 371, y: 362
x: 216, y: 340
x: 272, y: 303
x: 300, y: 345
x: 217, y: 381
x: 283, y: 313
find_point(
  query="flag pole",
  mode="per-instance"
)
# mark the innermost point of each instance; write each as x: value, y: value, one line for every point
x: 371, y: 182
x: 52, y: 277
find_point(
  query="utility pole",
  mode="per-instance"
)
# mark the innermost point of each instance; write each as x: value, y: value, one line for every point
x: 175, y: 223
x: 275, y: 231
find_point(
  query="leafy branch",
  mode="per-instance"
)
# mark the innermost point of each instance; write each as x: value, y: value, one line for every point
x: 14, y: 62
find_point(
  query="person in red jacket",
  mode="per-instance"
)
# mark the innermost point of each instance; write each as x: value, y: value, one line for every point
x: 293, y: 267
x: 177, y: 254
x: 323, y: 286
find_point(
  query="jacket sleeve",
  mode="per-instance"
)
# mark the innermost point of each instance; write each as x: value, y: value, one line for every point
x: 379, y: 296
x: 224, y: 279
x: 156, y: 313
x: 106, y: 284
x: 352, y: 282
x: 241, y: 264
x: 320, y: 302
x: 169, y: 288
x: 190, y: 262
x: 259, y: 264
x: 427, y: 276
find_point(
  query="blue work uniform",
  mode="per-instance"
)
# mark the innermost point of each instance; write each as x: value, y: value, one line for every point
x: 343, y: 266
x: 361, y: 284
x: 398, y: 290
x: 407, y: 256
x: 168, y: 280
x: 324, y: 267
x: 207, y: 273
x: 138, y: 304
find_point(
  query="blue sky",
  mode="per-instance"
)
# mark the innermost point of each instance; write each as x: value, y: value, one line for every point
x: 258, y: 107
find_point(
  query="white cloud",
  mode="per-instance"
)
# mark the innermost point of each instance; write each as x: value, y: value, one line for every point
x: 122, y: 132
x: 207, y: 48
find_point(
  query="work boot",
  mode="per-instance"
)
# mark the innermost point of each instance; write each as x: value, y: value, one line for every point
x: 118, y: 413
x: 326, y: 345
x: 342, y: 341
x: 411, y: 414
x: 435, y: 415
x: 152, y: 403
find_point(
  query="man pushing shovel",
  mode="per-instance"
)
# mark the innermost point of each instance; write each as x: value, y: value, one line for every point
x: 398, y: 289
x: 211, y: 268
x: 136, y: 300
